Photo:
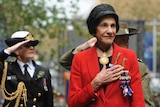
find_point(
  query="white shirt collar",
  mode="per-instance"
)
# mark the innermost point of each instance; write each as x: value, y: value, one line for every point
x: 31, y: 67
x: 21, y: 64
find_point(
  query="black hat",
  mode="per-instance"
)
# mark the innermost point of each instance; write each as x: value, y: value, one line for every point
x: 97, y: 13
x: 20, y: 36
x: 125, y: 31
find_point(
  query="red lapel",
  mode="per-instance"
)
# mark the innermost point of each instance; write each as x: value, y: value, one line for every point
x: 93, y: 67
x: 116, y: 50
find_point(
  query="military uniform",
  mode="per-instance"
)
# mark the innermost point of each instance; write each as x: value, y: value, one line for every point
x: 39, y: 89
x: 145, y: 84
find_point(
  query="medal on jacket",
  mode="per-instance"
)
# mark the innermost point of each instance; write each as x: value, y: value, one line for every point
x: 104, y: 59
x: 45, y: 84
x: 124, y: 84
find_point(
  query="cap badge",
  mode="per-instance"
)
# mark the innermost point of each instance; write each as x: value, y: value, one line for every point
x: 29, y: 37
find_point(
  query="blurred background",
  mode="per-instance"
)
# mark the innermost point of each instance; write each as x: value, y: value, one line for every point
x: 60, y: 25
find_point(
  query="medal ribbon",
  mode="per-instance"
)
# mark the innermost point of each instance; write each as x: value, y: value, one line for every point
x: 45, y: 84
x: 124, y: 79
x: 124, y: 84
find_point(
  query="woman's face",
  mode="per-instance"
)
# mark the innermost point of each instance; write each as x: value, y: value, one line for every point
x: 106, y: 31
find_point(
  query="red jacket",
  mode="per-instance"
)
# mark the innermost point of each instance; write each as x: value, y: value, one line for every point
x: 84, y: 68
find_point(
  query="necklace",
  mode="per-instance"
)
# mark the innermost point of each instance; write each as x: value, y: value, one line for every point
x: 103, y: 59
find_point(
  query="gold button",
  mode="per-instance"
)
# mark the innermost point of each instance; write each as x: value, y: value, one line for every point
x: 34, y: 106
x: 39, y: 94
x: 21, y: 105
x: 34, y: 99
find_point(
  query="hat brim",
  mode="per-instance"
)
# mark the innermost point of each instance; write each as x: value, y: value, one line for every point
x: 34, y: 43
x: 12, y: 41
x: 132, y: 31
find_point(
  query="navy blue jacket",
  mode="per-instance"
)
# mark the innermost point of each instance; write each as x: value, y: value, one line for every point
x: 37, y: 95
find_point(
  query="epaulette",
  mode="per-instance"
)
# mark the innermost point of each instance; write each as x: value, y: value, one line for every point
x: 140, y: 60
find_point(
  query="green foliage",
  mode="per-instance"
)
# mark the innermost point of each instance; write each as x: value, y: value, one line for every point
x: 21, y: 15
x: 46, y: 23
x: 80, y: 28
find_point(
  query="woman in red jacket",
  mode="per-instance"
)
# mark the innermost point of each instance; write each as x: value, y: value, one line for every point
x: 105, y: 75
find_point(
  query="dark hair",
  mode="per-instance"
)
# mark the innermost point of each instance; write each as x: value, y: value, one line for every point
x: 99, y: 12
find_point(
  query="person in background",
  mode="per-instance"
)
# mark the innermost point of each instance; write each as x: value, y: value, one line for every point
x: 103, y: 75
x: 122, y: 39
x: 66, y: 58
x: 23, y: 82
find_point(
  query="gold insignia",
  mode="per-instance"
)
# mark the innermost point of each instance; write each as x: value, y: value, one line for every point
x: 29, y: 37
x: 39, y: 94
x: 21, y: 105
x: 34, y: 99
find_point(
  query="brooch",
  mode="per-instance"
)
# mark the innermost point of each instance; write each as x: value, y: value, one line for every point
x: 40, y: 74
